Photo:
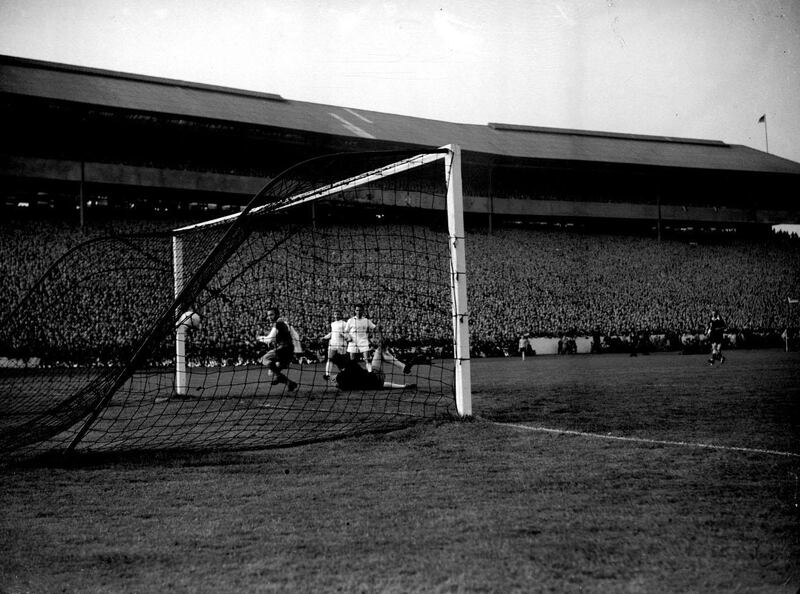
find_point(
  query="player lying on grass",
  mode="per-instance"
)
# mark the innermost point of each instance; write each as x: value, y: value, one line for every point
x: 354, y: 377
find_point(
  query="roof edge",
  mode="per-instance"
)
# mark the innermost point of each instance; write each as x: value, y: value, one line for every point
x: 599, y: 134
x: 169, y: 82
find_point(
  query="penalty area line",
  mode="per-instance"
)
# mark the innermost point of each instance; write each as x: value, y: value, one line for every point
x: 643, y: 440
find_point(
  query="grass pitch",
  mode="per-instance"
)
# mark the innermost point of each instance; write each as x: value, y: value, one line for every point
x: 585, y: 473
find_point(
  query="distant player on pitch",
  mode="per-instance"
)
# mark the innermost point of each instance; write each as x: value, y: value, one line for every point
x: 715, y: 332
x: 359, y: 330
x: 523, y: 345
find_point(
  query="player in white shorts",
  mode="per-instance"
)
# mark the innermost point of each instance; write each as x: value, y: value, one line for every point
x: 337, y: 341
x: 359, y: 330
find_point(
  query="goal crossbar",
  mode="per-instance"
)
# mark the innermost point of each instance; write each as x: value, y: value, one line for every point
x: 333, y: 188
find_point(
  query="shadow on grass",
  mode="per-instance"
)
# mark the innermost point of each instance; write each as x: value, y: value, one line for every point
x: 184, y: 458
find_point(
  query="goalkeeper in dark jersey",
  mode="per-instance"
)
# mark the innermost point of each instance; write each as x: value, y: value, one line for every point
x: 716, y: 332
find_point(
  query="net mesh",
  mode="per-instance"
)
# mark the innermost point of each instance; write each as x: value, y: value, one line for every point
x: 93, y: 343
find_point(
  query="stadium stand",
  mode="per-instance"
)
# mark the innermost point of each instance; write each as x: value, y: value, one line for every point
x: 544, y: 281
x: 568, y: 230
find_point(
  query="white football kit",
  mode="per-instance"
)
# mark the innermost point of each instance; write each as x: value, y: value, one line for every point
x: 337, y: 337
x: 359, y: 331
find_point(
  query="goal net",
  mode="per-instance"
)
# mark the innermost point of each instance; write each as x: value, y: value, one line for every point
x: 104, y: 354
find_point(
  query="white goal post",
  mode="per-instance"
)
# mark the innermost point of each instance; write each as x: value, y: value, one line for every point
x: 451, y: 157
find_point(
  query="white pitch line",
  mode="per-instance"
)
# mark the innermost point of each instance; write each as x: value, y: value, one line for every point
x: 651, y: 441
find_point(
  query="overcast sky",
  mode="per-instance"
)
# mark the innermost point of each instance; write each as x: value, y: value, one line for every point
x: 684, y: 68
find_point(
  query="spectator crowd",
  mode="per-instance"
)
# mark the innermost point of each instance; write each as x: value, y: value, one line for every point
x: 538, y: 282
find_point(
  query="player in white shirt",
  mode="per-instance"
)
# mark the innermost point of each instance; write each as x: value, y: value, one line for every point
x: 337, y: 341
x: 359, y: 330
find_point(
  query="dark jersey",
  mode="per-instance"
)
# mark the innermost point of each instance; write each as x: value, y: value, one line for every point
x: 716, y: 327
x: 355, y: 377
x: 283, y: 351
x: 283, y: 337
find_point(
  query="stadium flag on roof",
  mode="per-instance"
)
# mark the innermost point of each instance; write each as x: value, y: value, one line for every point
x: 793, y: 300
x: 763, y: 118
